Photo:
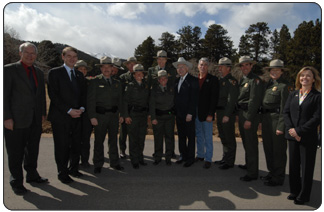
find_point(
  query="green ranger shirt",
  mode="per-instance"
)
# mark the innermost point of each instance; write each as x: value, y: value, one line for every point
x: 275, y: 96
x: 136, y: 96
x: 103, y: 94
x: 228, y: 94
x: 126, y: 78
x: 161, y: 99
x: 250, y: 95
x: 152, y: 78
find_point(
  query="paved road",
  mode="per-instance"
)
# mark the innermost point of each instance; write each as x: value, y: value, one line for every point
x: 156, y: 187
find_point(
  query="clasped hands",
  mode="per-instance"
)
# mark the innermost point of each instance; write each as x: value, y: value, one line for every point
x: 293, y: 133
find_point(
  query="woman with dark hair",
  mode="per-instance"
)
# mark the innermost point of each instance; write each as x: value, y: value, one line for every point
x: 302, y: 116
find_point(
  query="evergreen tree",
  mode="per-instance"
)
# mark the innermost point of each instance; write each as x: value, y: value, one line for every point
x: 168, y: 44
x: 285, y: 37
x: 145, y: 52
x: 189, y: 42
x: 244, y: 46
x: 274, y: 44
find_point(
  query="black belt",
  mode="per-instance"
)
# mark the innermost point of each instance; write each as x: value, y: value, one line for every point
x: 136, y: 108
x: 274, y: 110
x: 102, y: 110
x: 163, y: 112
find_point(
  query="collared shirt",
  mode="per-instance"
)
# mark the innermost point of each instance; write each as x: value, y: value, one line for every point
x: 27, y: 71
x: 202, y: 80
x: 181, y: 81
x: 68, y: 70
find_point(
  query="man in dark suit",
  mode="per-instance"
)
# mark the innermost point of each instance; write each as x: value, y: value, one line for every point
x: 24, y: 106
x: 66, y: 90
x: 208, y: 98
x: 186, y: 98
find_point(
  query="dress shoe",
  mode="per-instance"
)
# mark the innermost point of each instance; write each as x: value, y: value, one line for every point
x: 136, y: 166
x: 272, y: 183
x: 220, y: 162
x: 122, y: 155
x: 38, y: 180
x: 97, y: 170
x: 168, y: 162
x: 265, y: 178
x: 143, y: 163
x: 207, y: 165
x: 199, y: 159
x: 299, y: 201
x: 247, y: 178
x: 118, y: 167
x: 19, y: 190
x: 156, y: 162
x: 187, y: 164
x: 225, y: 166
x: 179, y: 161
x: 291, y: 197
x: 242, y: 166
x: 66, y: 179
x: 76, y: 174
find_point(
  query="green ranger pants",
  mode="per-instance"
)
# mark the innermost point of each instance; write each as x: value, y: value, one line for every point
x: 275, y: 147
x: 227, y: 135
x: 108, y: 122
x: 123, y: 137
x: 164, y: 130
x: 136, y: 134
x: 250, y: 144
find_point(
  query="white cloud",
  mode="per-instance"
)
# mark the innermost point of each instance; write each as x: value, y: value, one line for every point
x: 127, y: 10
x: 191, y: 9
x: 208, y: 23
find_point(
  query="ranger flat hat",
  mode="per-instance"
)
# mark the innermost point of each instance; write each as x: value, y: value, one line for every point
x: 276, y: 64
x: 81, y: 63
x: 181, y: 60
x: 162, y: 53
x: 130, y: 59
x: 117, y: 63
x: 245, y: 59
x: 162, y: 73
x: 224, y: 62
x: 138, y: 68
x: 105, y: 61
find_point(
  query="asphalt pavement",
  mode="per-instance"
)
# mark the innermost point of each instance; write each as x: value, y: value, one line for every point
x: 158, y: 187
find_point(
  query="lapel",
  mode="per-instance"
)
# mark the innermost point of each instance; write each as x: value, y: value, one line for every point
x: 308, y: 97
x: 23, y: 75
x: 206, y: 82
x: 66, y: 77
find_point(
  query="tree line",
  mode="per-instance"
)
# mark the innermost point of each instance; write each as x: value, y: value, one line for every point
x: 259, y: 42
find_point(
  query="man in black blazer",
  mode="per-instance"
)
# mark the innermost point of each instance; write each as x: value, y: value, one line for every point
x: 24, y: 106
x: 66, y: 91
x: 208, y: 99
x: 186, y: 98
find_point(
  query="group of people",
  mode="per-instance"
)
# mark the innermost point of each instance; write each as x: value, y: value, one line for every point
x: 112, y: 102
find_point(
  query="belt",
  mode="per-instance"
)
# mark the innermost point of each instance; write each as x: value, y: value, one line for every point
x: 136, y: 108
x: 163, y: 112
x: 102, y: 110
x: 274, y: 110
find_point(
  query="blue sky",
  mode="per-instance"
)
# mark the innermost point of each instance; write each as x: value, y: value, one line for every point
x: 118, y: 28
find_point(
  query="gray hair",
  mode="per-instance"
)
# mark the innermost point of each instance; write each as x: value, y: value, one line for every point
x: 205, y: 59
x: 26, y: 44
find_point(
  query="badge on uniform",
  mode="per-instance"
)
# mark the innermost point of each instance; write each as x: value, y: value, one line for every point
x: 223, y: 83
x: 246, y: 85
x: 101, y: 86
x: 275, y: 88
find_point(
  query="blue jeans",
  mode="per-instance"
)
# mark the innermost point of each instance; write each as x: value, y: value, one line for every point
x: 204, y: 134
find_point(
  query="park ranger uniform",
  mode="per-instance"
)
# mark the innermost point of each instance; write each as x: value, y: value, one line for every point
x: 226, y: 107
x: 105, y: 104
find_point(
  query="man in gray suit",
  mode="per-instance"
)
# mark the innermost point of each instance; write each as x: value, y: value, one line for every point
x: 24, y: 110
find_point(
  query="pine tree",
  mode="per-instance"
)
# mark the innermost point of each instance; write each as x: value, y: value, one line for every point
x: 145, y: 52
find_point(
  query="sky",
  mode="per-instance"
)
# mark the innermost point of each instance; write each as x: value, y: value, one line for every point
x: 118, y: 28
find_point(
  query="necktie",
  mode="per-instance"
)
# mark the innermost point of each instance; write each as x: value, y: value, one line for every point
x: 74, y: 82
x: 31, y: 79
x: 180, y: 82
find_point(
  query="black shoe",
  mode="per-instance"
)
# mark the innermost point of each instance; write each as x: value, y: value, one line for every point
x: 66, y: 179
x: 247, y: 178
x: 207, y: 165
x: 220, y: 162
x: 173, y: 155
x: 76, y: 174
x: 97, y: 170
x: 225, y: 166
x: 19, y: 190
x: 122, y: 155
x: 118, y: 167
x: 291, y: 197
x: 188, y: 164
x: 299, y: 201
x: 136, y: 166
x: 242, y: 166
x: 156, y: 162
x: 179, y: 161
x: 272, y: 183
x: 199, y: 159
x: 143, y: 163
x: 85, y: 165
x: 38, y: 180
x: 168, y: 162
x: 265, y: 178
